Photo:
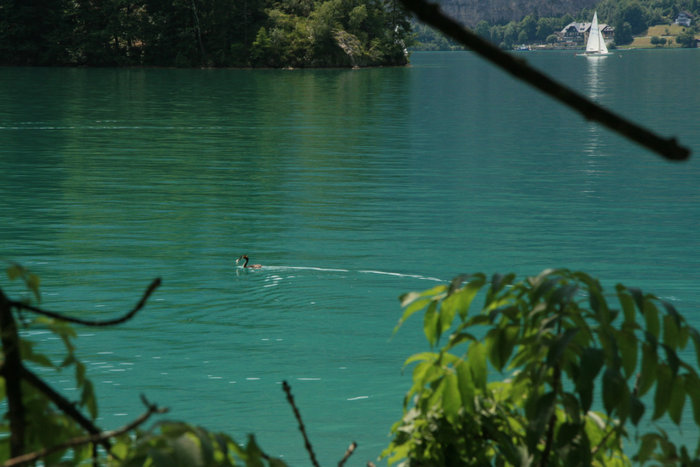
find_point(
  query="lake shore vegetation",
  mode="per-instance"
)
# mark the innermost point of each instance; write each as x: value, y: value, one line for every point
x: 204, y: 33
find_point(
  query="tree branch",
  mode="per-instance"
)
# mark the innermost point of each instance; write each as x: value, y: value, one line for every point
x: 63, y: 404
x: 12, y: 373
x: 348, y: 453
x: 111, y: 322
x: 430, y: 14
x: 94, y: 438
x: 307, y: 443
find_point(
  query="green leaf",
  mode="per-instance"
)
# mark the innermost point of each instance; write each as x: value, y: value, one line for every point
x: 564, y: 295
x: 590, y: 366
x: 476, y: 357
x: 636, y: 410
x: 88, y: 399
x: 451, y: 398
x: 416, y: 301
x: 557, y: 348
x: 464, y: 297
x: 599, y: 306
x: 650, y: 362
x: 448, y: 309
x: 33, y: 285
x: 414, y: 307
x: 498, y: 281
x: 430, y: 324
x: 692, y: 387
x: 671, y: 332
x: 14, y: 271
x: 500, y: 344
x: 662, y: 396
x: 695, y: 336
x: 677, y: 399
x: 627, y: 345
x: 421, y: 357
x: 465, y: 384
x: 646, y: 447
x: 544, y: 410
x: 571, y: 407
x: 651, y: 317
x: 613, y: 389
x: 627, y: 304
x: 79, y: 373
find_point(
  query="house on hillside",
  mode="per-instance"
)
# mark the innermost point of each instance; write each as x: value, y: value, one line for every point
x: 576, y: 34
x: 684, y: 18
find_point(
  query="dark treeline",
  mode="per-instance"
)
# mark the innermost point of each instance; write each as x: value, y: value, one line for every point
x: 211, y: 33
x: 628, y: 17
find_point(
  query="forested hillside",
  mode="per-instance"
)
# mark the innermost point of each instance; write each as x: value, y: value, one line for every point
x: 508, y: 23
x: 470, y: 12
x: 211, y: 33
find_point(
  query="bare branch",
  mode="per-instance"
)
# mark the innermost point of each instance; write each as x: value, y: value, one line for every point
x: 154, y: 285
x: 307, y: 443
x: 12, y: 373
x: 430, y: 14
x: 94, y: 438
x: 348, y: 453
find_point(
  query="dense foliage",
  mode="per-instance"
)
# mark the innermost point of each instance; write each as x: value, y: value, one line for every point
x: 216, y: 33
x: 547, y: 372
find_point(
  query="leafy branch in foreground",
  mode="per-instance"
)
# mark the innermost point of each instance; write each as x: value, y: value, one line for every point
x: 577, y: 373
x: 39, y: 432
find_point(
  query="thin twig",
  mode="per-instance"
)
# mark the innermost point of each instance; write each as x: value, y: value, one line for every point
x: 154, y: 285
x: 430, y: 13
x: 348, y: 453
x: 94, y: 438
x: 307, y: 443
x: 602, y: 442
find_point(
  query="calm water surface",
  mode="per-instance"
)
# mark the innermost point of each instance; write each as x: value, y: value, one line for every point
x: 351, y: 187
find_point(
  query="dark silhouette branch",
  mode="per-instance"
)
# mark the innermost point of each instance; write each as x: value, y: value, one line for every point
x: 12, y: 373
x: 111, y: 322
x: 307, y: 443
x: 348, y: 453
x: 430, y: 14
x: 552, y: 422
x: 95, y: 438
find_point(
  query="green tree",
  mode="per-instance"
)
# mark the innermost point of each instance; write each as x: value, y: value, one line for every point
x: 483, y: 30
x: 528, y: 25
x: 35, y: 33
x: 687, y: 38
x: 546, y: 27
x: 623, y: 33
x: 510, y: 35
x: 577, y: 372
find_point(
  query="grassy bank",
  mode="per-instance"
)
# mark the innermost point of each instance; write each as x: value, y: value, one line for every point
x: 662, y: 31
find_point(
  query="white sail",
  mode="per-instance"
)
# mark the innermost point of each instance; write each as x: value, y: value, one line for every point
x: 596, y: 43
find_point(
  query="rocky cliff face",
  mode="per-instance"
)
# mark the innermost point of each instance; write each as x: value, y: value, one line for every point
x: 470, y: 12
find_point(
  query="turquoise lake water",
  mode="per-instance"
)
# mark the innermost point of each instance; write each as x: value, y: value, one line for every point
x: 351, y: 187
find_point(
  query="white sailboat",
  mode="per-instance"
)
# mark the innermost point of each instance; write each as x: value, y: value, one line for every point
x: 596, y: 44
